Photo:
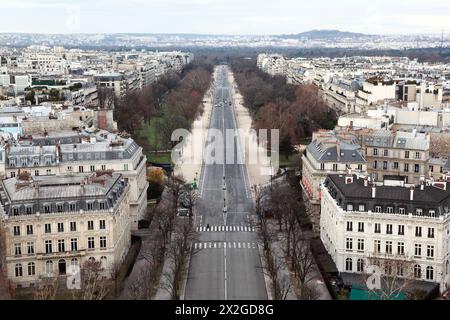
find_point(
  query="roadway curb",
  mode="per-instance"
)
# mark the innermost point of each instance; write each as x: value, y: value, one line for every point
x: 186, y: 274
x: 266, y: 277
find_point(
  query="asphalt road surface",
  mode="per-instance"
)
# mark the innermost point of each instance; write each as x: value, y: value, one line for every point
x: 225, y: 263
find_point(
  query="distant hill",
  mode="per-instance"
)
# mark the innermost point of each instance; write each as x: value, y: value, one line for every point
x: 326, y: 34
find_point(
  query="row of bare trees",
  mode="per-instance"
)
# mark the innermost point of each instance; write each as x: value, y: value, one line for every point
x: 296, y: 110
x: 278, y: 209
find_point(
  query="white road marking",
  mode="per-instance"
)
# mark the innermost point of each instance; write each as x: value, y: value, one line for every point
x: 239, y: 245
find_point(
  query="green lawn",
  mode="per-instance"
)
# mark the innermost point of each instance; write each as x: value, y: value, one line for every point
x: 150, y: 131
x: 161, y: 157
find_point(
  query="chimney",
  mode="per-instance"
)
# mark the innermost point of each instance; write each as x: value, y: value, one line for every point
x: 374, y: 191
x: 411, y: 193
x: 365, y: 182
x: 422, y: 185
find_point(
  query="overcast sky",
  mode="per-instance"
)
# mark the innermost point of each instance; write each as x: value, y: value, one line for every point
x: 224, y: 16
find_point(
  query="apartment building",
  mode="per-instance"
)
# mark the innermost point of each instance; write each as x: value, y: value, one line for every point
x: 54, y: 222
x: 361, y: 221
x: 403, y: 154
x: 114, y: 81
x: 329, y: 153
x: 69, y: 154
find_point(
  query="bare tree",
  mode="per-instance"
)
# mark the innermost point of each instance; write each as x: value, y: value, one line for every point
x: 114, y: 272
x: 191, y: 199
x: 175, y: 186
x: 178, y: 252
x: 303, y: 264
x: 95, y: 286
x: 46, y: 289
x: 397, y: 274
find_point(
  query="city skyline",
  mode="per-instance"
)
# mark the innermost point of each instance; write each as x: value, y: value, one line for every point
x: 221, y: 17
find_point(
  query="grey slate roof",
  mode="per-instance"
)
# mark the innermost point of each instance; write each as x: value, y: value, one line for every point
x: 327, y: 151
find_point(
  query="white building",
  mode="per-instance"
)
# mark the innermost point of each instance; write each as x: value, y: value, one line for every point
x: 361, y: 221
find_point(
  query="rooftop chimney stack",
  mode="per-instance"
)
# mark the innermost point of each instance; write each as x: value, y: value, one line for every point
x: 365, y: 182
x: 411, y: 193
x: 374, y: 191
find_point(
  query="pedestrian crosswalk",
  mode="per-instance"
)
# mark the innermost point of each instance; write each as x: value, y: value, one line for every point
x: 225, y: 229
x: 225, y: 244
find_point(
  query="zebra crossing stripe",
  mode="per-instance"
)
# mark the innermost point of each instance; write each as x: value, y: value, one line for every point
x: 234, y: 245
x: 195, y: 245
x: 229, y: 245
x: 239, y: 245
x: 249, y: 245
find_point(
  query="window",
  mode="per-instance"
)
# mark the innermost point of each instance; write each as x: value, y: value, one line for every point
x: 430, y: 273
x: 361, y: 226
x: 91, y: 243
x: 360, y: 244
x: 90, y: 205
x: 102, y: 205
x: 401, y: 248
x: 362, y: 207
x: 92, y: 167
x: 417, y: 155
x: 396, y: 165
x: 60, y: 207
x: 90, y: 225
x: 406, y: 167
x: 385, y: 165
x: 406, y: 154
x: 74, y: 244
x: 73, y: 226
x: 389, y: 247
x: 385, y: 152
x: 377, y: 246
x: 417, y: 271
x: 418, y: 231
x: 29, y: 210
x: 377, y: 228
x: 348, y: 264
x: 417, y: 250
x: 360, y: 265
x: 48, y: 228
x: 125, y: 167
x: 18, y: 270
x: 60, y: 227
x: 375, y: 151
x: 46, y: 208
x: 389, y: 229
x: 29, y: 229
x: 432, y: 213
x: 48, y: 246
x: 416, y: 168
x: 349, y: 207
x: 349, y: 226
x: 430, y: 251
x: 401, y: 210
x: 389, y: 209
x: 430, y: 232
x: 431, y: 168
x: 69, y: 168
x: 378, y: 209
x: 102, y: 224
x: 61, y: 246
x: 13, y: 174
x: 374, y: 164
x: 17, y: 249
x: 335, y: 167
x: 49, y: 171
x: 30, y: 247
x: 49, y: 267
x: 349, y: 243
x: 16, y: 230
x: 104, y: 167
x: 72, y: 206
x: 80, y: 169
x: 401, y: 230
x: 31, y: 269
x: 103, y: 242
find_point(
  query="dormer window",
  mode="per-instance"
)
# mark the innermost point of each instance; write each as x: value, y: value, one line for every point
x: 349, y: 207
x: 419, y: 212
x: 378, y: 209
x: 362, y: 207
x: 401, y: 210
x: 432, y: 213
x: 390, y: 209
